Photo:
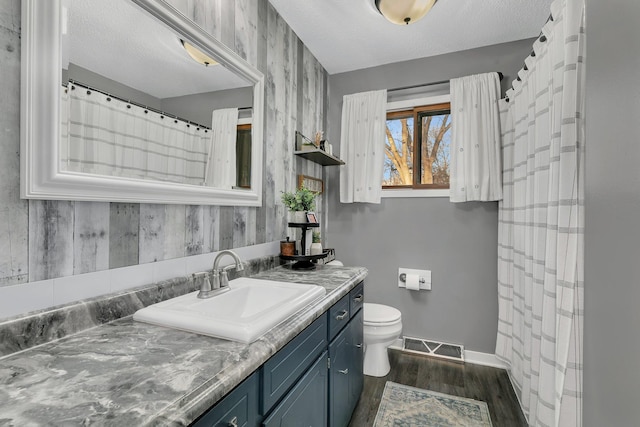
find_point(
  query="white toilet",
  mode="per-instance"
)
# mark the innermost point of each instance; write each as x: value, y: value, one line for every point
x: 382, y: 326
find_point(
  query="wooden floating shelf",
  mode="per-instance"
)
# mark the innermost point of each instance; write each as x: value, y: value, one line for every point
x: 319, y: 156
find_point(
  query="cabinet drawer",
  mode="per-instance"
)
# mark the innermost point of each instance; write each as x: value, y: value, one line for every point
x: 356, y: 298
x: 306, y: 404
x: 338, y: 316
x: 281, y: 372
x: 239, y: 407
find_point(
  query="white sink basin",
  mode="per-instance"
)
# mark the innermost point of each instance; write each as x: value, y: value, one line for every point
x: 249, y: 309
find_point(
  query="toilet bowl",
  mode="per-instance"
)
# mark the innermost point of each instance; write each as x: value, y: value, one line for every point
x: 382, y: 326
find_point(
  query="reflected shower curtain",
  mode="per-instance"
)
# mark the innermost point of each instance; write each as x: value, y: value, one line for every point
x: 541, y: 224
x: 106, y: 136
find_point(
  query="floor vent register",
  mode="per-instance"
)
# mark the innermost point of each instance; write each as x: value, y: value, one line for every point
x: 433, y: 348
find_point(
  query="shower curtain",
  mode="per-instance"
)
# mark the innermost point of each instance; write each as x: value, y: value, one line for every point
x: 541, y: 224
x: 107, y: 136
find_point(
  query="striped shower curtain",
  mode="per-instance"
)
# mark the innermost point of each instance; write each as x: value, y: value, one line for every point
x: 541, y: 224
x: 106, y: 136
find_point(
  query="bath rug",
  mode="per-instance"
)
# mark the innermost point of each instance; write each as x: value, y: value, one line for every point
x: 404, y: 406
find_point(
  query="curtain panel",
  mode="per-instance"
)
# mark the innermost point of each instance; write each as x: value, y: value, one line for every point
x: 476, y: 168
x: 362, y: 141
x: 221, y: 162
x: 541, y: 224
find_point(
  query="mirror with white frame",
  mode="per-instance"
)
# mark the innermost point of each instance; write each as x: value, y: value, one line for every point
x: 111, y: 117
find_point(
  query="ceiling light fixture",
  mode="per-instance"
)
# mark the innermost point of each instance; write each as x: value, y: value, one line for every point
x: 404, y: 12
x: 197, y: 54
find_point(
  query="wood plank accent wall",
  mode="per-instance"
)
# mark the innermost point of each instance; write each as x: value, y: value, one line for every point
x: 48, y: 239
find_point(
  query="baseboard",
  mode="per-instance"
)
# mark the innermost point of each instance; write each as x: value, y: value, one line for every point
x: 397, y: 344
x: 484, y: 359
x: 516, y: 391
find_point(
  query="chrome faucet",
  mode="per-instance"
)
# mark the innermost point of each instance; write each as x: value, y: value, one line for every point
x: 220, y: 277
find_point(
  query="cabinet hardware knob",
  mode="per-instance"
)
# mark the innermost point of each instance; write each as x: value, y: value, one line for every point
x: 358, y: 345
x: 358, y: 298
x: 342, y: 315
x: 344, y: 371
x: 233, y: 422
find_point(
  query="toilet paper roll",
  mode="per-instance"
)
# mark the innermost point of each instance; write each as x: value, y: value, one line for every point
x: 413, y: 282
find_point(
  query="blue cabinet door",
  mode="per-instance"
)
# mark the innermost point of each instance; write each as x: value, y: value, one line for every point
x: 356, y: 374
x: 281, y: 372
x: 238, y: 408
x: 340, y: 355
x: 345, y: 375
x: 306, y: 404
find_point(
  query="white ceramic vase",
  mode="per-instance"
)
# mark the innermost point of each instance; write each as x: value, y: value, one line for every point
x: 298, y: 216
x: 316, y: 248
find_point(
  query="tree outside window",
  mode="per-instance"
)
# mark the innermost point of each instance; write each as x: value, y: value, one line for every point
x: 418, y: 156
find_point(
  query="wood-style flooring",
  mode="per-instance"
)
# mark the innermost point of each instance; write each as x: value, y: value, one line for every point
x: 477, y: 382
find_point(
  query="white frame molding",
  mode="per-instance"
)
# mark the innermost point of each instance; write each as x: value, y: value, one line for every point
x: 410, y: 192
x: 40, y: 174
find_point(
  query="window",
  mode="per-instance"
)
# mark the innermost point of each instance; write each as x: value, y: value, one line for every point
x: 417, y: 156
x: 243, y: 156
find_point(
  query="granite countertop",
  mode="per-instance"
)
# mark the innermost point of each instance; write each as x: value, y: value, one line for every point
x: 129, y: 373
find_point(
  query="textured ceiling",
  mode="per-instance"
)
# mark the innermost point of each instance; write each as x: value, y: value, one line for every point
x: 120, y: 41
x: 346, y: 35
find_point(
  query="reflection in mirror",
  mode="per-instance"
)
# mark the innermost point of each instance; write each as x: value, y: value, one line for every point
x: 151, y: 115
x: 114, y: 108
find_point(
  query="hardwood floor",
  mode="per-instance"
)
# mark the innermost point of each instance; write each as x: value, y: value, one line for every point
x: 477, y: 382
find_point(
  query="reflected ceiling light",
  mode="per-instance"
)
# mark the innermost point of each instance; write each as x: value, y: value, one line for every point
x: 197, y: 54
x: 404, y: 12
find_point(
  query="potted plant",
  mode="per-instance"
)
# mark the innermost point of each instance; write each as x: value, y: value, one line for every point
x: 299, y: 202
x: 316, y: 246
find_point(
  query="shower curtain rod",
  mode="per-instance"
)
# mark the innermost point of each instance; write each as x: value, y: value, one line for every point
x: 429, y: 84
x: 146, y: 107
x: 542, y: 39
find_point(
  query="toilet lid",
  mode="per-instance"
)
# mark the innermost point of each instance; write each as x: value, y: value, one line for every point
x: 379, y: 313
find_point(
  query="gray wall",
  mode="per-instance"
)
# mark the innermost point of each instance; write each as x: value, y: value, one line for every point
x: 112, y: 87
x: 457, y: 242
x: 48, y: 239
x: 198, y: 107
x: 612, y: 272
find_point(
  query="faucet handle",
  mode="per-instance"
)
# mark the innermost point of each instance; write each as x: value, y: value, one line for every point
x: 231, y: 267
x: 224, y: 278
x: 201, y: 280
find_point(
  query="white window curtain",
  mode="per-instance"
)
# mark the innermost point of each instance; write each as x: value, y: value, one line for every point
x: 106, y: 136
x: 362, y: 142
x: 221, y: 163
x: 475, y: 139
x: 541, y: 224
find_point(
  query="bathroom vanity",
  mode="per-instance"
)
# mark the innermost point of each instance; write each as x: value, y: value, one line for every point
x: 316, y: 378
x: 129, y: 373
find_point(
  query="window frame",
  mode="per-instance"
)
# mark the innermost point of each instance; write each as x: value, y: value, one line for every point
x: 416, y: 105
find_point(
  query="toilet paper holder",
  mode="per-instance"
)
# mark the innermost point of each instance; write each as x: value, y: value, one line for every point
x: 403, y: 278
